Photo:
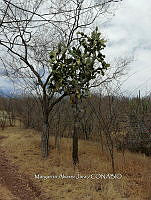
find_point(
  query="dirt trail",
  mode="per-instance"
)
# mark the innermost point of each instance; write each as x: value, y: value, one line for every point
x: 19, y: 185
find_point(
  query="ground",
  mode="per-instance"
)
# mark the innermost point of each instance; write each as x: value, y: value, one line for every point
x: 20, y: 161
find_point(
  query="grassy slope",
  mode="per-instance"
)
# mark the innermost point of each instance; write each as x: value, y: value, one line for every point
x: 5, y: 194
x: 23, y: 148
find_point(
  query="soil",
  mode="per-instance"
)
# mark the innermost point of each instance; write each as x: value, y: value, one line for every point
x: 19, y: 185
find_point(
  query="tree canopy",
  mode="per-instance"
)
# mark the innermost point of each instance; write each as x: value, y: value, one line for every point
x: 73, y: 67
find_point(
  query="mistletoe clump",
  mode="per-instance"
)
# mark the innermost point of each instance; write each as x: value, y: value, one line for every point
x: 73, y: 67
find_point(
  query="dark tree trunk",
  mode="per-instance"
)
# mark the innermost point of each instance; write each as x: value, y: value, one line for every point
x: 75, y: 145
x: 45, y: 129
x: 45, y: 140
x: 75, y: 157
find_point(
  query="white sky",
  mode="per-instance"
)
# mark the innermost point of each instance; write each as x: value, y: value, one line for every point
x: 129, y: 34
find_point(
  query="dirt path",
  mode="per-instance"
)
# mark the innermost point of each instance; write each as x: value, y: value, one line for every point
x: 19, y: 185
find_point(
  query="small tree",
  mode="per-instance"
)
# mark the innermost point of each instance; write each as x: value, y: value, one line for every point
x: 73, y: 69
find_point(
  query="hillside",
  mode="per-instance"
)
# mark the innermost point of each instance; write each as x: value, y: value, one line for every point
x: 20, y: 149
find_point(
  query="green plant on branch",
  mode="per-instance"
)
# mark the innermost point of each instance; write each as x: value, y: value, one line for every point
x: 72, y: 67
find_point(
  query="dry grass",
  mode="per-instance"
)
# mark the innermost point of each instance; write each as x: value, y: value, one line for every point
x: 23, y: 148
x: 5, y: 194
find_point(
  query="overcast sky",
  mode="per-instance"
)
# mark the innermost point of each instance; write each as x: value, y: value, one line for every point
x: 129, y: 33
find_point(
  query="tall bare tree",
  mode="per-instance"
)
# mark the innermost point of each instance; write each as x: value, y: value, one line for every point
x: 29, y: 30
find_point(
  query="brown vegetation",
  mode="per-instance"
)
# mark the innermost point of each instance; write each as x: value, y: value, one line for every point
x: 22, y: 148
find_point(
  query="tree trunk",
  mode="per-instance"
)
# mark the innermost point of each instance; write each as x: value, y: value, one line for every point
x: 45, y: 128
x: 75, y: 158
x: 45, y: 140
x: 75, y: 145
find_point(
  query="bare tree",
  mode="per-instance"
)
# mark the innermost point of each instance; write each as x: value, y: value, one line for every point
x: 107, y: 109
x: 29, y: 30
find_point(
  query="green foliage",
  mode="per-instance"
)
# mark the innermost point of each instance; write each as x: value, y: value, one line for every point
x: 73, y: 67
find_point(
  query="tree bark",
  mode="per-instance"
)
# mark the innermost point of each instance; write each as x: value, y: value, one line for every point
x: 75, y: 157
x: 45, y: 130
x: 45, y: 140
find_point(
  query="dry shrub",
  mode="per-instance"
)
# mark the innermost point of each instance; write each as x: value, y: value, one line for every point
x: 23, y: 148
